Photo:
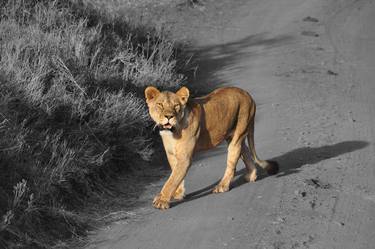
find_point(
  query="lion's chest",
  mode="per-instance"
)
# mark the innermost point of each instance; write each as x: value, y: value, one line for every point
x: 169, y: 141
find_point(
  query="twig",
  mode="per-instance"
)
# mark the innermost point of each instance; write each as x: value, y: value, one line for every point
x: 65, y: 69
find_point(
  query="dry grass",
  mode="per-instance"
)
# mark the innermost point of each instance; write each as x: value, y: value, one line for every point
x: 71, y: 111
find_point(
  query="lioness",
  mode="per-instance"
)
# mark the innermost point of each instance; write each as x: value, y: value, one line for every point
x: 190, y: 125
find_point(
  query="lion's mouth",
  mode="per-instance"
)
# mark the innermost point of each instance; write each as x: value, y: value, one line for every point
x: 167, y: 127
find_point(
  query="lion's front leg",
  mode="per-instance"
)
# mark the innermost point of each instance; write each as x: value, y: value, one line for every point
x: 179, y: 194
x: 180, y: 159
x: 161, y: 201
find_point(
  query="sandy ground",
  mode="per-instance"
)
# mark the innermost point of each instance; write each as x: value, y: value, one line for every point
x: 310, y: 65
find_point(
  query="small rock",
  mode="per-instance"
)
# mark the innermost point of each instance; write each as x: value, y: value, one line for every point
x: 309, y: 33
x: 280, y: 219
x: 317, y: 183
x: 340, y: 223
x: 330, y: 72
x: 312, y: 204
x: 303, y: 194
x: 310, y: 19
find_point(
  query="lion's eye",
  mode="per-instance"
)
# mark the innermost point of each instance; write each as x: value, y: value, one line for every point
x: 160, y: 105
x: 177, y: 108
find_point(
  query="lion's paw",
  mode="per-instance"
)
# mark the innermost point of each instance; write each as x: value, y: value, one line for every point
x: 251, y: 177
x: 179, y: 195
x: 221, y: 188
x: 160, y: 203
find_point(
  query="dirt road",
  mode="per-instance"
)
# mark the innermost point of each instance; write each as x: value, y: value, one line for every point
x: 310, y: 65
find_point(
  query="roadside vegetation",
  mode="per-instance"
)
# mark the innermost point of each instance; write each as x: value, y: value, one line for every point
x: 72, y: 113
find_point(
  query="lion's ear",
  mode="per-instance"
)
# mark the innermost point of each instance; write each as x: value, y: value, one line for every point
x: 151, y: 93
x: 183, y: 93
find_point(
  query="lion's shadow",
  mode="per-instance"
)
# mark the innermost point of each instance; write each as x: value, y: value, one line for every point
x: 289, y: 163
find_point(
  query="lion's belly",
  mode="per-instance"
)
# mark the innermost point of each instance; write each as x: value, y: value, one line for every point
x: 210, y: 138
x: 207, y: 144
x: 221, y: 114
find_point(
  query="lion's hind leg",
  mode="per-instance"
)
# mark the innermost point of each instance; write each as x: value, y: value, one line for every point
x: 251, y: 174
x: 234, y: 152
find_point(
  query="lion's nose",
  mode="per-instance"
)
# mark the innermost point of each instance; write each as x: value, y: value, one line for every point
x: 168, y: 116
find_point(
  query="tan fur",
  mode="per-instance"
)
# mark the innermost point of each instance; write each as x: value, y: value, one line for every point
x: 192, y: 125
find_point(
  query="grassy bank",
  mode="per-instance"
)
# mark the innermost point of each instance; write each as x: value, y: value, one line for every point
x: 71, y: 111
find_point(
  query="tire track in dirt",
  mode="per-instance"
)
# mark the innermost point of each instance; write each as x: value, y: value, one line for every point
x: 347, y: 29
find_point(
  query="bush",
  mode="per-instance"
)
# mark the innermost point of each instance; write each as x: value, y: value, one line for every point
x: 71, y: 110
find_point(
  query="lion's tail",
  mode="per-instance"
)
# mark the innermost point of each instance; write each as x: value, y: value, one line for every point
x: 271, y: 167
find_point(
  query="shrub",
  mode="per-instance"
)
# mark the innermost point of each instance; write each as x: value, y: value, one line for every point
x: 71, y: 113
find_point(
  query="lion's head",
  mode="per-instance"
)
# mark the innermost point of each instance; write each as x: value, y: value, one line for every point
x: 166, y: 108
